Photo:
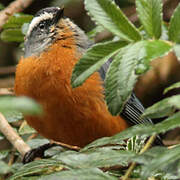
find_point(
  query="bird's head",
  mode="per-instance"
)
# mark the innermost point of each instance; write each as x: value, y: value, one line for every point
x: 48, y: 26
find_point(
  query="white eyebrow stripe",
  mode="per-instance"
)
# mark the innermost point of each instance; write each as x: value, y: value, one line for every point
x: 38, y: 19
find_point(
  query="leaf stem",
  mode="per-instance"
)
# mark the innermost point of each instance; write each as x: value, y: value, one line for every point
x: 145, y: 148
x: 12, y: 136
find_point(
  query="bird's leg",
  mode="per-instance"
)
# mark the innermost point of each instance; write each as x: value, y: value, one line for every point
x: 39, y: 151
x: 36, y: 152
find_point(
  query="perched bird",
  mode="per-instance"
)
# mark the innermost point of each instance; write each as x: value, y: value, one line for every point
x: 53, y: 45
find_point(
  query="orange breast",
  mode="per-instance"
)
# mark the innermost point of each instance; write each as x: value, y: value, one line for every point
x: 73, y: 116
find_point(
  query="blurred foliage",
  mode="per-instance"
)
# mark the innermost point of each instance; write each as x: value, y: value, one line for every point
x: 174, y: 86
x: 133, y: 48
x: 1, y: 6
x: 16, y: 26
x: 64, y: 3
x: 12, y: 108
x: 22, y: 104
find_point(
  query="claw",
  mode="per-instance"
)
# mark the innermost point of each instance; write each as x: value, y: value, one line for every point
x: 37, y: 152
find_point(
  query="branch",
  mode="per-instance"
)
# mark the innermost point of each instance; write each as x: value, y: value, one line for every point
x: 75, y: 148
x: 6, y: 91
x: 12, y: 136
x: 7, y: 70
x: 14, y: 7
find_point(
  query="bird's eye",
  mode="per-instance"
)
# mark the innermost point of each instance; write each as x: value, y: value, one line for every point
x: 41, y: 26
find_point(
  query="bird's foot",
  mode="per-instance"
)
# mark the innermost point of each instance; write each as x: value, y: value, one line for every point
x: 40, y: 151
x: 37, y: 152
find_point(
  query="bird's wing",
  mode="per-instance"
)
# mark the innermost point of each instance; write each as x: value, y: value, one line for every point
x: 132, y: 111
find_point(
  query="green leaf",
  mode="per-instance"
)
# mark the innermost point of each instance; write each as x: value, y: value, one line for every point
x: 120, y: 78
x: 37, y: 167
x: 166, y: 170
x: 22, y: 104
x: 150, y: 154
x: 113, y: 140
x: 30, y: 178
x: 166, y: 125
x: 35, y: 143
x: 102, y: 158
x: 26, y: 129
x: 4, y: 168
x: 13, y: 116
x: 156, y: 48
x: 80, y: 174
x: 15, y: 28
x: 16, y: 166
x: 91, y: 34
x: 136, y: 143
x: 164, y: 34
x: 163, y: 108
x: 3, y: 154
x: 107, y: 14
x: 150, y: 15
x: 65, y: 3
x: 174, y: 26
x: 174, y: 86
x: 54, y: 151
x: 17, y: 20
x: 1, y: 6
x: 177, y: 51
x: 139, y: 130
x: 1, y: 136
x: 152, y: 50
x: 132, y: 60
x: 94, y: 58
x: 12, y: 35
x: 162, y: 160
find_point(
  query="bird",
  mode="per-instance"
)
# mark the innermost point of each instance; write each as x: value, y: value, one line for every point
x: 75, y: 116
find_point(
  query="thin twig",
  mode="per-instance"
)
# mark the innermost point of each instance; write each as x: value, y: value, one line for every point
x: 148, y: 144
x: 6, y: 91
x: 145, y: 148
x: 12, y: 157
x: 32, y: 136
x: 7, y: 70
x: 14, y: 7
x: 75, y: 148
x: 12, y: 136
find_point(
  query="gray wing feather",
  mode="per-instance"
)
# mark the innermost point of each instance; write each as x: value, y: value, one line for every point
x: 132, y: 111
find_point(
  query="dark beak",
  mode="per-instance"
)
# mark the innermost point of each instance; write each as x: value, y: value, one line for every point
x: 59, y: 14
